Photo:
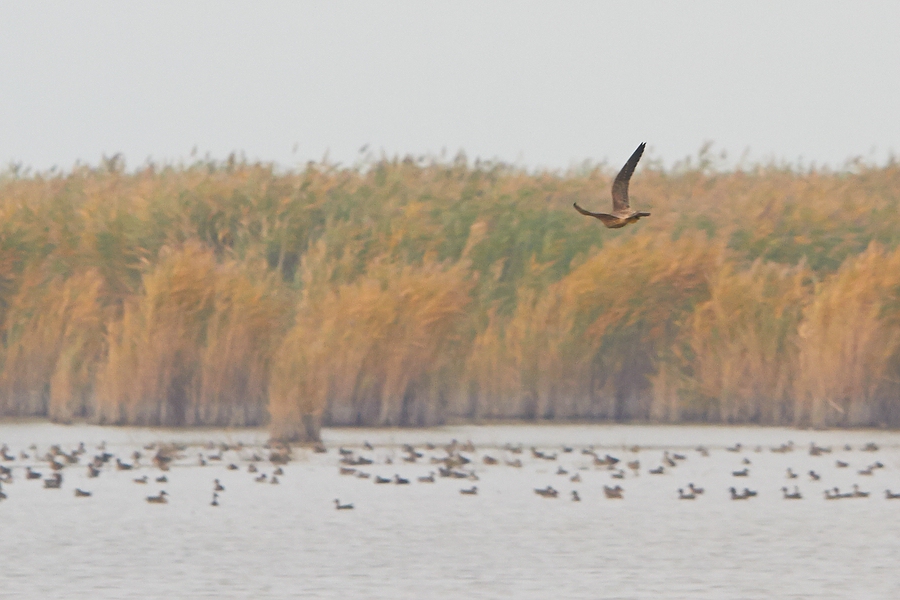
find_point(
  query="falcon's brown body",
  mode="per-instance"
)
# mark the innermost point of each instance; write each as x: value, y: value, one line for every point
x: 622, y: 214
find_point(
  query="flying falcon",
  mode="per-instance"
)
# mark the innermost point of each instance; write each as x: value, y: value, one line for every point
x: 622, y: 214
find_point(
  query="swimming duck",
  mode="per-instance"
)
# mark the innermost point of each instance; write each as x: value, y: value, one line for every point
x: 262, y: 478
x: 380, y: 479
x: 427, y: 478
x: 547, y: 492
x: 742, y: 473
x: 400, y: 480
x: 622, y: 214
x: 890, y: 495
x: 837, y: 494
x: 339, y: 506
x: 791, y: 474
x: 613, y: 493
x: 610, y: 460
x: 683, y: 496
x: 795, y: 495
x: 695, y: 490
x: 162, y: 479
x: 30, y: 474
x: 658, y: 470
x: 736, y: 496
x: 141, y: 479
x: 818, y: 450
x: 575, y: 478
x: 472, y: 491
x: 80, y: 493
x: 218, y: 487
x: 859, y: 494
x: 575, y: 496
x: 160, y: 499
x: 814, y: 476
x: 215, y: 500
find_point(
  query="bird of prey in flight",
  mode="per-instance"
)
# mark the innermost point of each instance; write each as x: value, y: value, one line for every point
x: 622, y: 214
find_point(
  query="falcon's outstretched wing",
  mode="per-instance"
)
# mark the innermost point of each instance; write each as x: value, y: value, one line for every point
x: 620, y: 185
x: 588, y: 213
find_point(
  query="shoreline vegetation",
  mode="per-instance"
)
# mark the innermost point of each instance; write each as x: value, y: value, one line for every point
x: 418, y: 291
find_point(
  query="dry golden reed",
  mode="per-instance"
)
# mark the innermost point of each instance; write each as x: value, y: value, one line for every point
x: 850, y: 344
x: 373, y: 351
x: 195, y: 347
x: 404, y: 292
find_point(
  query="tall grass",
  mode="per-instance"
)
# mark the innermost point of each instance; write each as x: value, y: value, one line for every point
x: 414, y: 291
x: 195, y: 347
x: 850, y: 357
x: 376, y: 351
x: 744, y: 344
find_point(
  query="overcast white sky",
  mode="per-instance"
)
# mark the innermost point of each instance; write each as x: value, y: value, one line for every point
x: 540, y: 84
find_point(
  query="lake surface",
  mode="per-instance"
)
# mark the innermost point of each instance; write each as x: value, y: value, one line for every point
x: 429, y: 541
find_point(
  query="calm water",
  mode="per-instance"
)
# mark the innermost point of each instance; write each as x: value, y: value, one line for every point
x: 429, y: 541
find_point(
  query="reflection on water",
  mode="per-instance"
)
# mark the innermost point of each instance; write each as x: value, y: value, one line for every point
x: 428, y: 540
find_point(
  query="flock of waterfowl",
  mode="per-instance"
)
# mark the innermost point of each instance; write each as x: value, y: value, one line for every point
x: 158, y: 457
x: 456, y: 461
x: 453, y: 461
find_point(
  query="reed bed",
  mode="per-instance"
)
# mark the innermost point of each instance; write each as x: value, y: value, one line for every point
x: 409, y: 292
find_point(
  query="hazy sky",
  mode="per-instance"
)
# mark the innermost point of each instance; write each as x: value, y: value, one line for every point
x: 540, y: 84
